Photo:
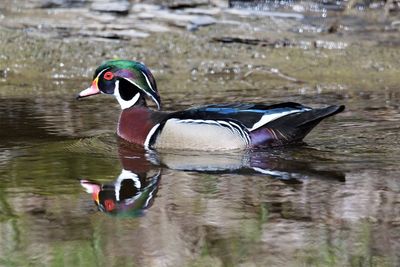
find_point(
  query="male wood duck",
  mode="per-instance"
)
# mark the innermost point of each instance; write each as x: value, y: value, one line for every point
x: 211, y: 127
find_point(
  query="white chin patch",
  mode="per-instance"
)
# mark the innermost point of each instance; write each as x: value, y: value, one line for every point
x: 125, y: 103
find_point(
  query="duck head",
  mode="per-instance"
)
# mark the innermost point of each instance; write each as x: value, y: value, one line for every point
x: 130, y: 82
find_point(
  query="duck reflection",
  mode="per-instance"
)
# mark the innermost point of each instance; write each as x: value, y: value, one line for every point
x: 135, y: 188
x: 258, y: 162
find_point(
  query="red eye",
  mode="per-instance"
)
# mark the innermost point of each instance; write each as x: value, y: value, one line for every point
x: 108, y: 75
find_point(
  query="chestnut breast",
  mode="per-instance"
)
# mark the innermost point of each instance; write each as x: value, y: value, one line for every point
x: 134, y: 124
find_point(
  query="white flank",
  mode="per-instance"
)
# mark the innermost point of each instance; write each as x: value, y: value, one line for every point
x: 202, y: 135
x: 235, y: 128
x: 149, y: 135
x: 125, y: 175
x: 271, y: 117
x: 123, y: 103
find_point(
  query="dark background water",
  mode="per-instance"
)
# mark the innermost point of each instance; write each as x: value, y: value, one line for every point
x: 333, y: 201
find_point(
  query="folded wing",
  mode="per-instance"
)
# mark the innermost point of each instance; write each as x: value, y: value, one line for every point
x: 243, y: 125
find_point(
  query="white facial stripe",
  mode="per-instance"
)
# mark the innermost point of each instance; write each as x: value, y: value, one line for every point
x: 148, y: 82
x: 124, y: 103
x: 149, y: 135
x: 155, y: 100
x: 147, y: 93
x: 135, y: 84
x: 98, y: 75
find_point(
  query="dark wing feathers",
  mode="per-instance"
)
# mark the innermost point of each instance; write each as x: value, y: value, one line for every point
x: 245, y: 114
x: 296, y: 126
x: 282, y: 123
x: 254, y: 107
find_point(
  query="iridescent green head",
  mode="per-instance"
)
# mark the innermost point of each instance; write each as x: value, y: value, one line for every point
x: 129, y: 81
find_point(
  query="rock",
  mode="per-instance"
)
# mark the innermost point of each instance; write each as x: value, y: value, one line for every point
x: 51, y: 3
x: 140, y: 7
x: 151, y: 27
x: 255, y: 41
x: 240, y: 40
x: 120, y: 7
x: 54, y: 3
x: 104, y: 18
x: 220, y: 3
x: 203, y: 11
x: 130, y: 34
x: 179, y: 4
x: 146, y: 15
x: 113, y: 34
x: 330, y: 44
x: 395, y: 23
x: 298, y: 8
x: 200, y: 21
x: 247, y: 13
x: 173, y: 18
x: 180, y: 19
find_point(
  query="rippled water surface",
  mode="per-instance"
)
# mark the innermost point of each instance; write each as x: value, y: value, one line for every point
x: 333, y: 201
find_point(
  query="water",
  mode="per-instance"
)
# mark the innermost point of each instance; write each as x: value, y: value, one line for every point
x: 333, y: 201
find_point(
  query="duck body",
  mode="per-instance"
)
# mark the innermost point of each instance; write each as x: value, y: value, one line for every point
x: 221, y: 127
x: 210, y: 127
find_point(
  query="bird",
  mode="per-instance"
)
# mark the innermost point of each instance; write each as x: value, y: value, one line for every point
x: 210, y: 127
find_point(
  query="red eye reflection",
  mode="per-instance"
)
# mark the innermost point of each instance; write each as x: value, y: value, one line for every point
x: 109, y: 205
x: 108, y: 75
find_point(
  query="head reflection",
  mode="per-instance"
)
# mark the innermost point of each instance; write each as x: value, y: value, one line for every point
x: 132, y: 192
x: 129, y: 194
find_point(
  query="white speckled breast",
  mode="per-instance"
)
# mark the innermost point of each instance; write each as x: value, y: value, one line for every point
x: 200, y: 135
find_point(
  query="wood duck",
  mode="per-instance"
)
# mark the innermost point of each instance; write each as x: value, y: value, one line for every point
x: 210, y: 127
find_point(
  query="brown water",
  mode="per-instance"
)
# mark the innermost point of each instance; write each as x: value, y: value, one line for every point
x: 332, y: 202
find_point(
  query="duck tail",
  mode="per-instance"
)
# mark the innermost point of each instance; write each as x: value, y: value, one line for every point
x: 294, y: 127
